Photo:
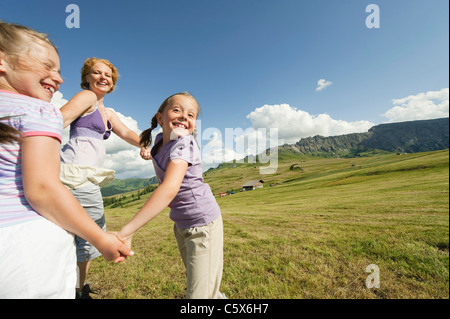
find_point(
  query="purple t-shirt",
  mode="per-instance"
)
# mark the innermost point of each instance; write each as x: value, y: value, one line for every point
x: 194, y: 205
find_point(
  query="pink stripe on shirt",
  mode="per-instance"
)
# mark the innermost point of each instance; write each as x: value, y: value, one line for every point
x: 40, y: 133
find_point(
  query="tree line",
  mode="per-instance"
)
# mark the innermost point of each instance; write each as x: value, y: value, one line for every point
x: 120, y: 200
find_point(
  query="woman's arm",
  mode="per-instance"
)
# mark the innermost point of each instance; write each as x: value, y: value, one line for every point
x: 122, y: 130
x: 160, y: 199
x: 83, y: 102
x: 127, y: 134
x: 50, y: 198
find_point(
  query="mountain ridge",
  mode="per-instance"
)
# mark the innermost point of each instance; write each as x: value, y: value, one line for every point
x: 400, y: 137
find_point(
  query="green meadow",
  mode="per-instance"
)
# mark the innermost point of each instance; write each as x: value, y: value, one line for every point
x: 310, y: 232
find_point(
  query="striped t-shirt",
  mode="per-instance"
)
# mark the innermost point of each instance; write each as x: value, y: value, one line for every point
x: 32, y: 117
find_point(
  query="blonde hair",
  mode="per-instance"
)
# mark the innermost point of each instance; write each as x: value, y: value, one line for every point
x: 13, y: 44
x: 87, y: 69
x: 13, y: 39
x: 146, y: 136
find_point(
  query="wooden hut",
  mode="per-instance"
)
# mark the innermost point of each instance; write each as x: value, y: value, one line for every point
x: 253, y: 184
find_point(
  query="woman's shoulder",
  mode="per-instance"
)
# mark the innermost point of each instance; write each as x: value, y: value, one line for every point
x: 87, y: 96
x: 87, y: 100
x: 81, y: 103
x: 86, y: 93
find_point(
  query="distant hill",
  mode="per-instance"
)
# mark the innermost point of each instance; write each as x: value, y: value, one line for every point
x: 410, y: 137
x: 119, y: 186
x: 403, y: 137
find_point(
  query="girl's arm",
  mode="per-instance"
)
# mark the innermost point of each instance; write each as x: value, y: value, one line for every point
x: 83, y: 102
x: 160, y: 199
x: 126, y: 134
x: 50, y: 198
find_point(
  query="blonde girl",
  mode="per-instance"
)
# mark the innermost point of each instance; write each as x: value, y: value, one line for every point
x: 198, y: 223
x: 38, y: 214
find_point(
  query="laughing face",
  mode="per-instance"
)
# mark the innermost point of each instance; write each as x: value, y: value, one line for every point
x: 178, y: 117
x: 35, y: 73
x: 100, y: 79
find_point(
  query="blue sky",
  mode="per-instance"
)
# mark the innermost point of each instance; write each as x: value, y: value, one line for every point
x: 254, y: 62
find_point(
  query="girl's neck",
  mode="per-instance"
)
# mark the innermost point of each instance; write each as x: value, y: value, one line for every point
x: 166, y: 139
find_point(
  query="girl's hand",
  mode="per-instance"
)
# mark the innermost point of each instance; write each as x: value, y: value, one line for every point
x: 124, y: 239
x: 114, y: 249
x: 145, y: 153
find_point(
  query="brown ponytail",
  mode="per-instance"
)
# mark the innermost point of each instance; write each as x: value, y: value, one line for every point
x: 8, y: 134
x: 146, y: 136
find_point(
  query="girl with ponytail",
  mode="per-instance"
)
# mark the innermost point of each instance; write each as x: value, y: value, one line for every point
x: 198, y: 225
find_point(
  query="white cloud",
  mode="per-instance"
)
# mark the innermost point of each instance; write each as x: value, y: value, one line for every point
x: 129, y: 164
x: 272, y: 125
x: 124, y: 158
x: 293, y: 124
x: 214, y: 151
x: 114, y: 143
x: 322, y: 83
x: 239, y: 145
x: 423, y: 106
x: 59, y: 101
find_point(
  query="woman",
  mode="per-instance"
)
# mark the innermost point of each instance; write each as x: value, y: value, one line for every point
x: 83, y: 156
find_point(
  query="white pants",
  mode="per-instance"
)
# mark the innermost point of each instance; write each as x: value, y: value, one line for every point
x: 201, y: 250
x: 37, y: 260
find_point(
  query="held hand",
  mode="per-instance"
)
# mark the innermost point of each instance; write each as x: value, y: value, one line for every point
x: 145, y: 153
x: 124, y: 239
x: 114, y: 249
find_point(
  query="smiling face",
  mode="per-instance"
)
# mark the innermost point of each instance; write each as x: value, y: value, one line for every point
x: 178, y: 118
x: 35, y: 73
x: 100, y: 78
x: 93, y: 68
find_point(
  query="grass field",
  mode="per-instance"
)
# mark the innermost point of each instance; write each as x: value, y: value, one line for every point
x: 312, y: 235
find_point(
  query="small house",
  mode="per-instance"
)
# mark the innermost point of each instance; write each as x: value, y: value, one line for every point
x: 253, y: 184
